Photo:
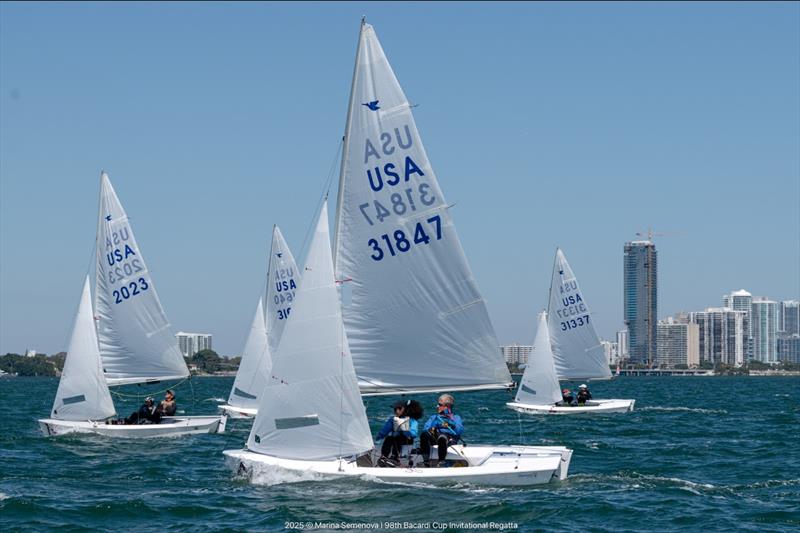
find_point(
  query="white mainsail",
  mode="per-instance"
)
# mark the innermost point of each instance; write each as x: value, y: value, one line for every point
x: 311, y: 408
x: 82, y: 392
x: 539, y: 383
x: 254, y: 366
x: 282, y: 281
x: 417, y: 320
x: 577, y: 351
x: 136, y: 341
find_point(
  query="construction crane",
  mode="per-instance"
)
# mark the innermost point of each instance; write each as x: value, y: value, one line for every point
x: 650, y: 234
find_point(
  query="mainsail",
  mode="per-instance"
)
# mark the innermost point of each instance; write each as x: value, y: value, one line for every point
x: 282, y: 281
x: 82, y: 392
x: 311, y: 408
x: 539, y: 383
x: 577, y: 350
x: 136, y: 341
x: 417, y: 320
x: 254, y: 366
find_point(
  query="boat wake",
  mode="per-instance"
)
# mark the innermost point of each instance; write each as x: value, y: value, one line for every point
x: 686, y: 409
x: 269, y: 475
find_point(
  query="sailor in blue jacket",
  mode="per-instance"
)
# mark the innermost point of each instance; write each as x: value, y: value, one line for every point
x: 399, y: 429
x: 443, y: 429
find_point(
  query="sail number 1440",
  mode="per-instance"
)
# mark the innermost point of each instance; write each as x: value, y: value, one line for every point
x: 399, y: 242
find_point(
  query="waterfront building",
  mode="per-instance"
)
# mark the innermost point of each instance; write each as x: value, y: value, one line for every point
x: 789, y: 348
x: 622, y: 344
x: 30, y: 353
x: 742, y: 300
x: 789, y: 317
x: 191, y: 343
x: 611, y: 351
x: 678, y: 343
x: 516, y: 354
x: 764, y: 325
x: 640, y: 297
x: 722, y: 334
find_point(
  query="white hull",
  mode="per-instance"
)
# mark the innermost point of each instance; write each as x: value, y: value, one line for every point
x: 238, y: 412
x: 169, y: 427
x: 592, y: 406
x: 487, y: 465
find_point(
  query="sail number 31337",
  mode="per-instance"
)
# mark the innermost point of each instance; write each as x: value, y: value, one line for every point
x: 398, y: 242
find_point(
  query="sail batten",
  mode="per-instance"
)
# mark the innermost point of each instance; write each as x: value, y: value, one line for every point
x: 577, y: 351
x: 134, y: 335
x: 416, y: 320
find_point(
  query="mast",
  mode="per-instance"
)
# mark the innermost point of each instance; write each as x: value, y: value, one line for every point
x: 552, y: 275
x: 345, y: 146
x: 266, y: 282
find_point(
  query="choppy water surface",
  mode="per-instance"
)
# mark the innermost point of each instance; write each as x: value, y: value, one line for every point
x: 698, y: 452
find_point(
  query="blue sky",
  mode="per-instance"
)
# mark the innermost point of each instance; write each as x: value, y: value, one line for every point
x: 572, y: 125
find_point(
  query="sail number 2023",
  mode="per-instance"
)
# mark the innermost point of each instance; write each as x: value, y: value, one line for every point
x: 399, y: 242
x: 130, y: 290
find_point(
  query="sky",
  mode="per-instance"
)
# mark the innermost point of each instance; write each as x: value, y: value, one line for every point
x: 548, y: 124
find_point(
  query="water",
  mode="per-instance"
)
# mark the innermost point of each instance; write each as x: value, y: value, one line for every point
x: 698, y: 453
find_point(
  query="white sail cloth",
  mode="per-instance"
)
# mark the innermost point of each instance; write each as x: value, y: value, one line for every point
x: 577, y: 351
x: 251, y: 378
x: 311, y: 408
x: 136, y: 341
x: 282, y: 281
x: 82, y: 392
x: 539, y: 385
x: 417, y: 319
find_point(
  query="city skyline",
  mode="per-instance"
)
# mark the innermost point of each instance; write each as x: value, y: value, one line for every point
x: 575, y: 136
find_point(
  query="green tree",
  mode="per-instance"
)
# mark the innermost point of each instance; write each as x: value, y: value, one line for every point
x: 207, y: 361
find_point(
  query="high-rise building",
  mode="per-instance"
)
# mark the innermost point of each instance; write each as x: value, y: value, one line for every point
x: 191, y: 343
x: 742, y: 300
x: 611, y: 352
x: 764, y: 324
x: 789, y: 317
x: 641, y: 300
x: 515, y: 354
x: 789, y: 348
x: 722, y: 335
x: 678, y: 343
x: 622, y: 344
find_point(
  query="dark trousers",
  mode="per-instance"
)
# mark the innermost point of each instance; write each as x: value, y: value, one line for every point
x: 439, y: 439
x: 142, y: 416
x: 391, y: 445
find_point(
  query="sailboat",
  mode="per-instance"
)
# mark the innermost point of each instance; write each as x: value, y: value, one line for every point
x: 311, y: 417
x: 572, y: 352
x: 265, y: 331
x: 416, y: 320
x: 122, y: 338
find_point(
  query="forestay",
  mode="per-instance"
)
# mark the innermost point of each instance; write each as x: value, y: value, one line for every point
x: 282, y: 281
x: 136, y: 342
x: 417, y: 319
x: 254, y: 366
x: 311, y: 408
x: 82, y: 392
x: 539, y: 383
x: 577, y: 351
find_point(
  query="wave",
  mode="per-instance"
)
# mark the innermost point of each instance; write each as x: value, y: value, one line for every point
x: 269, y: 475
x: 685, y: 409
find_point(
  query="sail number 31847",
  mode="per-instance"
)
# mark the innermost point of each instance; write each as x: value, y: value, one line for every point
x: 399, y: 242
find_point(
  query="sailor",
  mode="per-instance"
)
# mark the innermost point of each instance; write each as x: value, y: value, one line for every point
x: 567, y: 397
x: 443, y: 429
x: 583, y: 395
x: 143, y: 414
x: 399, y: 429
x: 167, y: 405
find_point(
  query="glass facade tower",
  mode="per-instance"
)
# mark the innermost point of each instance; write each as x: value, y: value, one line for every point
x: 640, y: 287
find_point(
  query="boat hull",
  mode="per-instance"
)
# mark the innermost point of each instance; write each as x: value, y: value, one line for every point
x: 592, y: 407
x: 487, y: 465
x: 169, y: 427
